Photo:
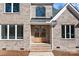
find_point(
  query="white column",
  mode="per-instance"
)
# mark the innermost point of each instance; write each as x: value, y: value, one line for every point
x: 15, y: 31
x: 7, y: 31
x: 51, y: 39
x: 0, y: 31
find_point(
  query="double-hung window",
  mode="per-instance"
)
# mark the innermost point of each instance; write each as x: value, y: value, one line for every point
x: 11, y: 31
x: 12, y: 7
x: 68, y: 31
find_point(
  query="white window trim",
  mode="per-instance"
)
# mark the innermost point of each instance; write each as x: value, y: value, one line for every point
x: 5, y: 8
x: 15, y: 31
x: 8, y: 33
x: 69, y: 32
x: 11, y: 8
x: 0, y: 31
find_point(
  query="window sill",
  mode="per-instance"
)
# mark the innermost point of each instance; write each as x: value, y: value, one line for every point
x: 11, y: 12
x: 11, y: 39
x: 68, y: 38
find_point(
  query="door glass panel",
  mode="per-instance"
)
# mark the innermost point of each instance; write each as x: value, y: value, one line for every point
x: 43, y: 33
x: 37, y: 32
x: 40, y: 32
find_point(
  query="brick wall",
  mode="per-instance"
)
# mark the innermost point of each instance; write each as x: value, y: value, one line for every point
x: 66, y: 44
x: 22, y: 17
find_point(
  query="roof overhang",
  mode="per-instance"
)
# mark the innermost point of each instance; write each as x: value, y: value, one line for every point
x: 41, y: 3
x: 39, y: 23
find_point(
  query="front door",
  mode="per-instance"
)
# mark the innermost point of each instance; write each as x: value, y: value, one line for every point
x: 40, y: 34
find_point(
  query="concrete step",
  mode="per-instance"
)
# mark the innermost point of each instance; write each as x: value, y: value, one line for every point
x: 41, y: 53
x: 41, y: 47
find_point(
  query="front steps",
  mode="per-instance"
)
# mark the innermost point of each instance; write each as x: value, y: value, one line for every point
x: 41, y: 54
x: 41, y: 47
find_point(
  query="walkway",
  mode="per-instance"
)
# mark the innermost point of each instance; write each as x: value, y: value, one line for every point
x: 41, y: 54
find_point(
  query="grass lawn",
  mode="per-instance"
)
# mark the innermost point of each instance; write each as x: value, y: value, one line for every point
x: 65, y: 53
x: 14, y: 53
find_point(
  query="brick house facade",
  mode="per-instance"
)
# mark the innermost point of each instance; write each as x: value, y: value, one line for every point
x: 35, y: 29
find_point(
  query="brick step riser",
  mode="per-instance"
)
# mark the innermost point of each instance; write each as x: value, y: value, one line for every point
x: 41, y: 49
x: 41, y: 46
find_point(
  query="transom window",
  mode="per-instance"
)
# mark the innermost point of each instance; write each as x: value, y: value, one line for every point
x: 40, y: 11
x: 12, y: 7
x: 11, y: 31
x: 68, y: 31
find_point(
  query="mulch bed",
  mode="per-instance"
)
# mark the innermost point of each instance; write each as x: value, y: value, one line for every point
x: 14, y: 53
x: 65, y: 53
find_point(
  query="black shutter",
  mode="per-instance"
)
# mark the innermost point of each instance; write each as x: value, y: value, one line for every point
x: 63, y: 31
x: 72, y: 31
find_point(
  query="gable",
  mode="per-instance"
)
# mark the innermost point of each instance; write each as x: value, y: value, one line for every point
x: 67, y: 18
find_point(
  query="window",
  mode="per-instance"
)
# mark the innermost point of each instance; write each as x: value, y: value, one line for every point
x: 11, y: 31
x: 40, y: 11
x: 19, y: 31
x: 12, y: 7
x: 8, y: 7
x: 4, y: 32
x: 16, y: 7
x: 68, y: 31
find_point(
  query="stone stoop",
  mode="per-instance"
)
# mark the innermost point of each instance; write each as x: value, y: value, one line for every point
x: 41, y: 47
